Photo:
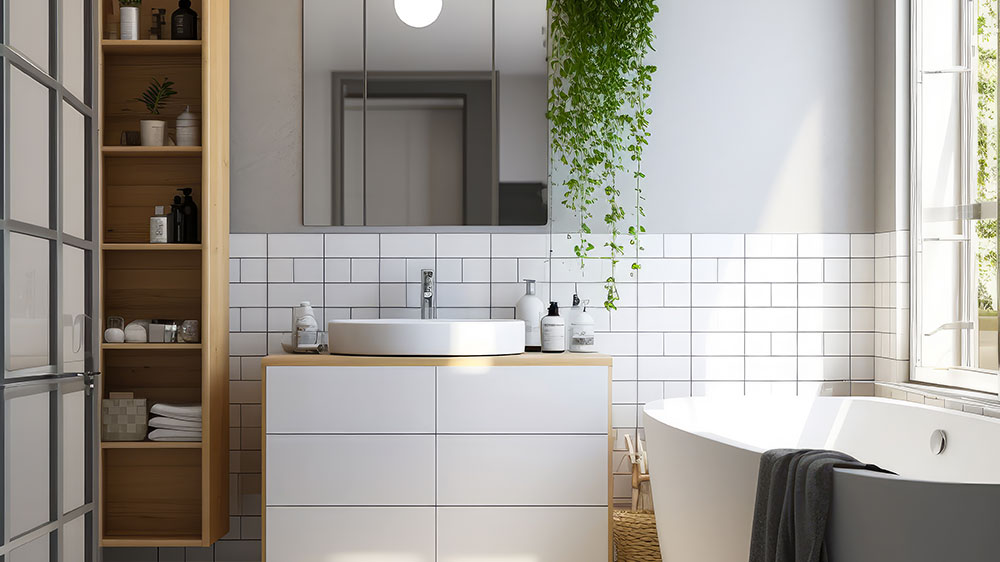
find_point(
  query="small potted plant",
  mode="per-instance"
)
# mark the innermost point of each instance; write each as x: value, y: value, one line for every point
x: 130, y: 18
x: 153, y: 131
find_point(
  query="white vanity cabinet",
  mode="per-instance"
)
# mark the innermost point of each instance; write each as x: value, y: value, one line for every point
x: 424, y: 459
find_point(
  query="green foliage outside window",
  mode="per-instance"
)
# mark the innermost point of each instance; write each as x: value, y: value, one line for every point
x: 987, y: 153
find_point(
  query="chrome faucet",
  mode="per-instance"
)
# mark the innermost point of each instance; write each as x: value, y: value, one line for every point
x: 426, y: 294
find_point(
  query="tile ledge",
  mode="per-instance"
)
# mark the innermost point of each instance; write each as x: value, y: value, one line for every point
x: 955, y: 396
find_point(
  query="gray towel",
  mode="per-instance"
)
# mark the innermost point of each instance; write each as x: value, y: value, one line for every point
x: 794, y: 493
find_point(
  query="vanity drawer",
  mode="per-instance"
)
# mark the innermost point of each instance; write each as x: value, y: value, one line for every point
x: 349, y: 400
x: 522, y: 400
x: 325, y: 534
x: 350, y: 470
x: 522, y: 470
x: 538, y: 534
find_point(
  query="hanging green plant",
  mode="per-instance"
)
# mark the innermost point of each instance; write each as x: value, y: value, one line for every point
x: 599, y: 85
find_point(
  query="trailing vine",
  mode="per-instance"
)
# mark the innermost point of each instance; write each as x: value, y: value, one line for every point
x: 599, y: 84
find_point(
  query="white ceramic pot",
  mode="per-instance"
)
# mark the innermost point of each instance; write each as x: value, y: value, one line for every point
x: 152, y: 132
x: 130, y: 22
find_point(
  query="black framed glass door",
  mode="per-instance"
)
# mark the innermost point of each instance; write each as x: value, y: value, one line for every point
x: 48, y: 221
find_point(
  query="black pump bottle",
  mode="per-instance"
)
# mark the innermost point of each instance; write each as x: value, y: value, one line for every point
x: 176, y: 221
x: 189, y: 219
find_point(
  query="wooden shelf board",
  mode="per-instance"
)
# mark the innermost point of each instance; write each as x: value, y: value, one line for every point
x: 150, y: 247
x: 151, y: 444
x: 124, y: 541
x: 150, y: 151
x: 152, y: 346
x: 150, y: 47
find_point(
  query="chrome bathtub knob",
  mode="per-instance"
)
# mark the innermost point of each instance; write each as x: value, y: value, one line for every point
x: 939, y: 440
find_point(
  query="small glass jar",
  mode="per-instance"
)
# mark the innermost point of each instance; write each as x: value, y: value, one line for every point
x: 190, y: 331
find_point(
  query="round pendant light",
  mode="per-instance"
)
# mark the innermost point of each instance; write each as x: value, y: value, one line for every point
x: 418, y: 13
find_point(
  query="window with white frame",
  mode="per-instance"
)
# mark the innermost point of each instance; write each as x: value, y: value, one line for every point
x: 954, y: 197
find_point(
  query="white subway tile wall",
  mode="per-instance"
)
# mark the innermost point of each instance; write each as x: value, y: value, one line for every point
x: 706, y: 315
x: 890, y: 318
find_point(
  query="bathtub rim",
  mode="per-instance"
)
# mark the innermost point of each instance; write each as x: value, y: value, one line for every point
x: 648, y: 411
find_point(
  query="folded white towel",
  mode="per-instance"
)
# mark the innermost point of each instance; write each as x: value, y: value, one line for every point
x: 173, y: 423
x: 174, y: 435
x: 191, y: 412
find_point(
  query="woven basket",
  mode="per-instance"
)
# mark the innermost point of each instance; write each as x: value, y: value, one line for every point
x: 635, y: 536
x: 123, y: 419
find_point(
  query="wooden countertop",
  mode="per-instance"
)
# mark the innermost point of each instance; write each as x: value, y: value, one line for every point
x: 524, y: 359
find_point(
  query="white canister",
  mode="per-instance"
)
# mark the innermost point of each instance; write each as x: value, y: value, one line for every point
x: 152, y: 132
x: 136, y: 332
x: 114, y: 335
x: 188, y: 128
x: 130, y: 23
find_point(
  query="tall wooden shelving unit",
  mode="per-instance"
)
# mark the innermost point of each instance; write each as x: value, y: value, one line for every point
x: 167, y: 494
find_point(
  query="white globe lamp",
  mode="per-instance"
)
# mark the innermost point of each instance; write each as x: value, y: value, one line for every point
x: 418, y: 13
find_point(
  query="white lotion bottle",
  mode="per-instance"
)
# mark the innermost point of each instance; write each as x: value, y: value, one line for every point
x: 306, y: 328
x: 553, y: 331
x: 529, y: 308
x: 581, y: 339
x: 569, y: 315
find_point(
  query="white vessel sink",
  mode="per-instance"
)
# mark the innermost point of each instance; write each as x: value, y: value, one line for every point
x: 426, y: 337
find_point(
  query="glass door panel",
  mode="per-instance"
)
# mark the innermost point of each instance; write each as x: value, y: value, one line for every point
x: 27, y: 434
x: 38, y: 550
x: 74, y: 46
x: 29, y: 153
x: 74, y: 171
x: 74, y: 309
x: 29, y: 302
x: 31, y: 34
x: 74, y: 540
x: 74, y: 452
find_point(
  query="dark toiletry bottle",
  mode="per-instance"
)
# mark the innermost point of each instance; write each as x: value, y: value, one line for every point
x: 184, y: 22
x: 176, y: 221
x: 190, y: 213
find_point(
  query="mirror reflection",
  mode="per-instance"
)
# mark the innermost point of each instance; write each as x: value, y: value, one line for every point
x: 424, y: 113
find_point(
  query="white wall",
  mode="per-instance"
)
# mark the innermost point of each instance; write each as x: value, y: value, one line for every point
x: 892, y: 115
x: 763, y: 117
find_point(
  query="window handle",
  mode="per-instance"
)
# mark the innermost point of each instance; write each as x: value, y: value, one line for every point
x: 951, y: 326
x: 948, y: 70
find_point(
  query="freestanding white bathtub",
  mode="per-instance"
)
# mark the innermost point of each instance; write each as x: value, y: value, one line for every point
x: 704, y: 455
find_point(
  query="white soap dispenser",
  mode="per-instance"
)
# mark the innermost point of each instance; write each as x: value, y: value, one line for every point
x: 553, y: 331
x: 529, y: 308
x: 581, y: 338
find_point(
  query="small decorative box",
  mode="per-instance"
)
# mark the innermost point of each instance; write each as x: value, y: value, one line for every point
x: 123, y: 419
